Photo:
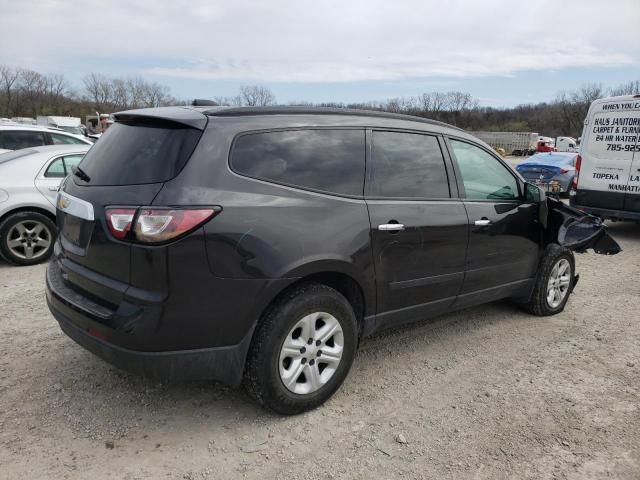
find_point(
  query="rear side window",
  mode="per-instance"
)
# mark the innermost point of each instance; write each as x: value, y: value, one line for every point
x: 141, y: 152
x: 327, y: 160
x: 56, y: 169
x: 17, y: 139
x: 407, y: 165
x: 61, y: 167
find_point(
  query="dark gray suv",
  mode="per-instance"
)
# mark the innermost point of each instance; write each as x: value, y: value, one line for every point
x: 264, y: 244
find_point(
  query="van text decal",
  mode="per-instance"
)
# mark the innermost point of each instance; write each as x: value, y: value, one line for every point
x: 624, y: 188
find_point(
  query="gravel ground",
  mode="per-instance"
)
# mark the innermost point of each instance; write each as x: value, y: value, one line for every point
x: 489, y: 392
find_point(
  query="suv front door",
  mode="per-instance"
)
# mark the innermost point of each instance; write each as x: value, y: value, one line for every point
x: 503, y: 252
x: 419, y: 230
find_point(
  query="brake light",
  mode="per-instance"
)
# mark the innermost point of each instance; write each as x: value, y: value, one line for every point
x: 157, y: 225
x: 119, y: 221
x: 574, y: 184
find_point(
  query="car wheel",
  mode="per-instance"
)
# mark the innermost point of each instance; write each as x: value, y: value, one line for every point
x: 555, y: 282
x: 27, y: 238
x: 302, y: 350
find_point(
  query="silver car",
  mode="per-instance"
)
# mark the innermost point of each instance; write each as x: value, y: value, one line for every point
x: 29, y: 181
x: 544, y: 168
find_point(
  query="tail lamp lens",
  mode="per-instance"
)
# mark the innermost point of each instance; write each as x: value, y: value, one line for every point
x: 119, y: 221
x: 161, y: 225
x: 155, y: 225
x: 574, y: 184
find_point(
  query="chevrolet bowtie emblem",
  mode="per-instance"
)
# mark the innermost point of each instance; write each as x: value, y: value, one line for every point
x: 63, y: 202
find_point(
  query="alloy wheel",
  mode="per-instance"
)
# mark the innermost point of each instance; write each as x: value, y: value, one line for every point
x: 29, y: 239
x: 559, y: 283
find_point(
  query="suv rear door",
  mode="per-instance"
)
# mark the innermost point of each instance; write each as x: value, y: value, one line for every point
x: 504, y: 235
x: 419, y: 230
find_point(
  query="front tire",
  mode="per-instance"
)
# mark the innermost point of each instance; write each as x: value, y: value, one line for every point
x: 302, y: 350
x: 555, y: 282
x: 27, y: 238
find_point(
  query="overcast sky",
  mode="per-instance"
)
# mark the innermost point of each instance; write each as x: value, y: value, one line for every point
x: 503, y: 52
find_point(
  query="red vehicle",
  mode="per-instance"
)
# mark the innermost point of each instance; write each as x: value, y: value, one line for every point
x: 545, y: 147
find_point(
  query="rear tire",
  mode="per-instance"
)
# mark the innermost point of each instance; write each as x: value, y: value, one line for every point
x: 554, y: 283
x: 27, y: 238
x: 288, y: 372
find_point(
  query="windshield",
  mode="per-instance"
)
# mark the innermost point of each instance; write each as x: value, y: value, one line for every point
x: 74, y: 130
x: 139, y: 152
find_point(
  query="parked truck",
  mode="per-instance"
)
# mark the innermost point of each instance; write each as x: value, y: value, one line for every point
x: 68, y: 124
x: 566, y: 144
x: 513, y: 143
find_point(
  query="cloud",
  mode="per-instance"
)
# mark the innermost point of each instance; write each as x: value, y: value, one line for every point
x: 319, y: 42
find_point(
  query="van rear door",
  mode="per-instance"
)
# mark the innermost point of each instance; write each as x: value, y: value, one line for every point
x: 632, y: 196
x: 610, y: 140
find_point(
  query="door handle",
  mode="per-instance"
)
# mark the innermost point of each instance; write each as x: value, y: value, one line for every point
x: 54, y: 189
x: 482, y: 223
x: 391, y: 227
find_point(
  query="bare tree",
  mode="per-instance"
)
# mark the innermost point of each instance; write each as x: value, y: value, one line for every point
x: 8, y: 77
x: 99, y: 90
x: 257, y: 96
x: 630, y: 88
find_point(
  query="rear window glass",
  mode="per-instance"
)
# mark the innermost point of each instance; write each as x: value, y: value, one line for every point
x: 326, y: 160
x: 18, y: 139
x: 135, y: 153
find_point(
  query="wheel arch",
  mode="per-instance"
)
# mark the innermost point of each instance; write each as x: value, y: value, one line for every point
x: 28, y: 208
x: 362, y: 301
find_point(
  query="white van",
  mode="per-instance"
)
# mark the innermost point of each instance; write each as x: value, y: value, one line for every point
x: 608, y: 179
x: 566, y: 144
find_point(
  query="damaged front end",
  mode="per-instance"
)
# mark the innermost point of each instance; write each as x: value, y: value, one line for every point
x: 576, y: 230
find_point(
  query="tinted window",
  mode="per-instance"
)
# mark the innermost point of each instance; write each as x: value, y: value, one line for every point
x: 407, y: 165
x: 328, y: 160
x: 134, y: 153
x: 483, y: 175
x: 58, y: 139
x: 56, y: 169
x: 17, y: 139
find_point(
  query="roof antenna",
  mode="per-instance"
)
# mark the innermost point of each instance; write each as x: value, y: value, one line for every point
x: 203, y: 102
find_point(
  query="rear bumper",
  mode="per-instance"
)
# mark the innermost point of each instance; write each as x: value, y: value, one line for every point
x: 225, y: 364
x: 166, y: 339
x: 606, y: 212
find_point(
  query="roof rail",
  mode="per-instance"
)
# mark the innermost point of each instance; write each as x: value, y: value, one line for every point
x: 247, y: 111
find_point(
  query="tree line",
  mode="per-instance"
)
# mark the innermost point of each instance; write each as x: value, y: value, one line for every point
x: 27, y: 93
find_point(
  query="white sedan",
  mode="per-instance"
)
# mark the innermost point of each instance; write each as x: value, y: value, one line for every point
x: 29, y: 182
x: 14, y: 136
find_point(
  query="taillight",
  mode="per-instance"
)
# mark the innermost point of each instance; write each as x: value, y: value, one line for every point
x: 574, y: 184
x: 156, y: 225
x: 119, y: 221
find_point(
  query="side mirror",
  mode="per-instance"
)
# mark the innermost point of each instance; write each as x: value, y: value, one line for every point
x: 534, y: 194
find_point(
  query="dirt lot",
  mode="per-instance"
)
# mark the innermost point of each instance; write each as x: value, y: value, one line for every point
x: 484, y: 393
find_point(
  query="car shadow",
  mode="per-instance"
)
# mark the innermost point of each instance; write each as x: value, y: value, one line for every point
x: 624, y: 230
x: 110, y: 399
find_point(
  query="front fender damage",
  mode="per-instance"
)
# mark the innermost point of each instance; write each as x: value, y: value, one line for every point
x: 576, y: 230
